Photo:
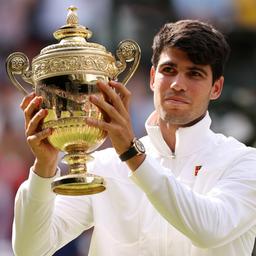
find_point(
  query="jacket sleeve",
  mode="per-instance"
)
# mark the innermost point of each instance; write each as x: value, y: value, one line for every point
x: 44, y: 222
x: 226, y: 212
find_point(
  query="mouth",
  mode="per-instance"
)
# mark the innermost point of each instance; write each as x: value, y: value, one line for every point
x: 176, y: 100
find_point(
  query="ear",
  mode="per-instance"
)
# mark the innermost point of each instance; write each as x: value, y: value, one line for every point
x: 217, y: 88
x: 152, y: 78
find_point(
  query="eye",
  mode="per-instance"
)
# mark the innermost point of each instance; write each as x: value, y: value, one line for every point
x: 194, y: 73
x: 168, y: 70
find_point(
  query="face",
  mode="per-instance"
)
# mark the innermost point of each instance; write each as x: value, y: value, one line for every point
x: 182, y: 89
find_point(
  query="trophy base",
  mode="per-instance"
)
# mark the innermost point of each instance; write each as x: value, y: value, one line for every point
x: 78, y: 184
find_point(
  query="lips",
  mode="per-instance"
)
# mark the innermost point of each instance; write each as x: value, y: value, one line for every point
x: 176, y: 100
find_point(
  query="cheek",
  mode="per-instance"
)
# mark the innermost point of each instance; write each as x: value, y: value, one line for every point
x: 201, y: 99
x: 200, y: 90
x: 200, y: 96
x: 161, y: 79
x: 157, y: 97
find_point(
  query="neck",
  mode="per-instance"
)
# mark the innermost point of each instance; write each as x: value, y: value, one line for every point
x: 169, y: 133
x: 168, y: 130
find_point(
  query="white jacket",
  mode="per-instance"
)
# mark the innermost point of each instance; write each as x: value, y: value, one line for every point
x: 199, y: 202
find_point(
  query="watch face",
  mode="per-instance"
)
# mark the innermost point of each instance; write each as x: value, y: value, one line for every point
x: 139, y: 146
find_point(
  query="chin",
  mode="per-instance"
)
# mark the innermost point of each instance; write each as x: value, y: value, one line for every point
x: 176, y: 119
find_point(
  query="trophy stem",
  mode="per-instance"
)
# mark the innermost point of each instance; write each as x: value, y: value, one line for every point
x: 76, y: 162
x: 78, y: 181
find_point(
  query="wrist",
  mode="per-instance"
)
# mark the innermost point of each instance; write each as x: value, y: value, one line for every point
x: 136, y: 148
x: 44, y: 169
x: 135, y: 162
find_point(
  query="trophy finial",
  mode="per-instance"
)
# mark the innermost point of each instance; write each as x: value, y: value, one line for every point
x: 72, y: 28
x: 72, y: 17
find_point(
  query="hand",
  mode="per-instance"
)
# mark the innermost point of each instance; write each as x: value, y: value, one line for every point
x: 115, y: 107
x: 46, y: 156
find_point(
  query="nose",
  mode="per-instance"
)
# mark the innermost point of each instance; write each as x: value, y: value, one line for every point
x: 178, y: 83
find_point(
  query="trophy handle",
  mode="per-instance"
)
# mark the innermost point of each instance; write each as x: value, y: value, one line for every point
x: 17, y: 63
x: 128, y: 51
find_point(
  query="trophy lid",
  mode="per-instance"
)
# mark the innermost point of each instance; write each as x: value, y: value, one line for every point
x: 73, y: 54
x: 72, y: 36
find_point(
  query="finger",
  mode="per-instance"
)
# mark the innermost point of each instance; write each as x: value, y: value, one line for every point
x: 123, y: 92
x: 31, y: 109
x: 99, y: 124
x: 115, y: 132
x: 36, y: 139
x: 113, y: 96
x: 108, y: 109
x: 35, y: 123
x: 26, y: 100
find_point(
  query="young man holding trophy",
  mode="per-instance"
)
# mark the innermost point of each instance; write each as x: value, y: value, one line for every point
x: 180, y: 190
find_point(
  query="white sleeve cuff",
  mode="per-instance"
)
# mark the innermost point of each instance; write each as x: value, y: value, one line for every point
x: 39, y: 188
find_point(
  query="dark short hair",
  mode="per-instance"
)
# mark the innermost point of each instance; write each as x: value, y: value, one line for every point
x: 203, y: 44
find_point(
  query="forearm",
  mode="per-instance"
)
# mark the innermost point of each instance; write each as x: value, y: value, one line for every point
x: 45, y: 222
x: 207, y: 220
x: 43, y: 170
x: 32, y: 220
x: 135, y: 162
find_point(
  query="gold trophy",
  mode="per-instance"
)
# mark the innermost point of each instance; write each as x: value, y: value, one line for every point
x: 65, y: 74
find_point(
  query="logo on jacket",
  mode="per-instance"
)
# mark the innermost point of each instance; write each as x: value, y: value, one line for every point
x: 197, y: 169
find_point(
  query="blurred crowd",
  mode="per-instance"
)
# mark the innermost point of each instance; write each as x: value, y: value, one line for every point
x: 27, y: 26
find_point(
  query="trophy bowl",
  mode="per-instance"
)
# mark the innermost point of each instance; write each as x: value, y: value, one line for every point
x: 65, y: 75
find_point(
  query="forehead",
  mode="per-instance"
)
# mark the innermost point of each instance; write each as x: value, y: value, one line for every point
x: 179, y: 58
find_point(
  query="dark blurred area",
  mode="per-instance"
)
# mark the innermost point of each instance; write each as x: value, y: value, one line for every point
x: 27, y: 26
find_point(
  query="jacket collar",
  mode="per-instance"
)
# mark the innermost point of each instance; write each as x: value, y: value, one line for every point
x: 188, y: 139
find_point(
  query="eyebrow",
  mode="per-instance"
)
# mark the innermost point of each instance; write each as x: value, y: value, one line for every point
x: 192, y: 68
x: 196, y: 68
x: 168, y: 63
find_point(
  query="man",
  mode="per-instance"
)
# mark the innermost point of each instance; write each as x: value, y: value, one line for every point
x: 191, y: 193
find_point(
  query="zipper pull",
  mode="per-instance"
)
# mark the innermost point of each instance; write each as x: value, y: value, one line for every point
x: 173, y: 156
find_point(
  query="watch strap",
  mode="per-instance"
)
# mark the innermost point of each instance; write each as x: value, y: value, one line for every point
x: 131, y: 152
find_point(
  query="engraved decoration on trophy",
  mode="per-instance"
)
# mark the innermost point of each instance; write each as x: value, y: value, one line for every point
x: 65, y: 74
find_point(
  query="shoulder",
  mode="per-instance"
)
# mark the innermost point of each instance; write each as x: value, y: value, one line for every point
x: 231, y: 145
x: 234, y: 153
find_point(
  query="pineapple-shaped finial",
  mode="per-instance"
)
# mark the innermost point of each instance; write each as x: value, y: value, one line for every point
x: 72, y: 18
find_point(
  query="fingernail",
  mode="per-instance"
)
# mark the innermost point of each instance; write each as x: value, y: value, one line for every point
x: 89, y: 121
x: 48, y: 131
x: 114, y: 82
x: 42, y: 112
x: 51, y: 130
x: 37, y: 102
x: 94, y: 98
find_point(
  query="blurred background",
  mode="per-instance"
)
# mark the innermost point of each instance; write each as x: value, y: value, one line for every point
x: 27, y: 26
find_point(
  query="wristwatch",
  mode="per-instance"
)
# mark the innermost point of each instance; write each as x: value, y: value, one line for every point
x: 137, y: 148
